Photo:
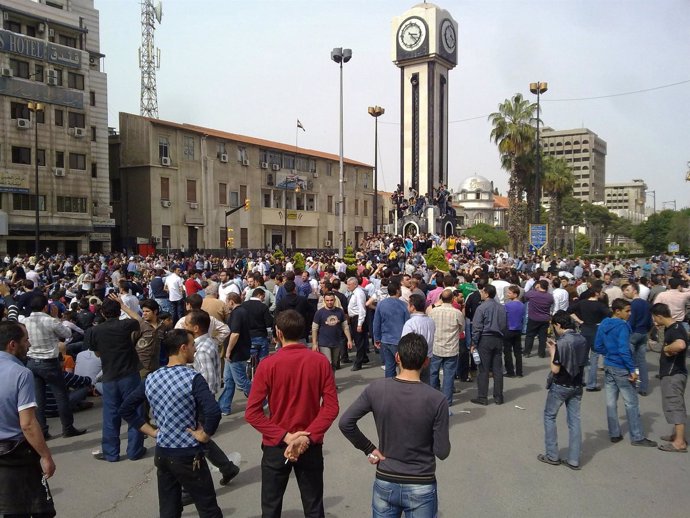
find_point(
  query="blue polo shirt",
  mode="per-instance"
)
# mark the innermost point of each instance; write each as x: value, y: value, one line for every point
x: 16, y: 394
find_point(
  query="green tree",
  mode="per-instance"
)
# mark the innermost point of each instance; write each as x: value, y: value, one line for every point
x: 620, y: 227
x: 488, y: 237
x: 572, y: 218
x: 278, y: 255
x: 653, y: 234
x: 558, y: 182
x: 582, y: 245
x: 515, y: 136
x: 680, y: 230
x: 350, y: 260
x: 436, y: 258
x: 597, y: 219
x: 299, y: 261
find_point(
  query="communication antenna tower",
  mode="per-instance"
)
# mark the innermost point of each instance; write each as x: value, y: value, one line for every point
x: 149, y: 58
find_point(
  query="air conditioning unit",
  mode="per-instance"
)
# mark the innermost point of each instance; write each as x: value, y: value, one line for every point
x: 77, y: 132
x: 165, y: 160
x: 51, y: 33
x: 275, y: 167
x: 52, y: 81
x: 23, y: 123
x: 224, y: 158
x: 41, y: 27
x: 166, y: 203
x: 245, y: 162
x: 7, y: 72
x: 264, y: 165
x: 269, y: 179
x: 327, y: 243
x: 93, y: 61
x: 193, y: 205
x: 59, y: 171
x: 316, y: 175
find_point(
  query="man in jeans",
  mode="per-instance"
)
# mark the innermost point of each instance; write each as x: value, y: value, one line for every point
x: 44, y: 334
x: 568, y: 359
x: 113, y: 344
x: 236, y: 355
x: 613, y: 341
x: 538, y: 316
x: 449, y: 323
x: 389, y: 318
x: 640, y: 323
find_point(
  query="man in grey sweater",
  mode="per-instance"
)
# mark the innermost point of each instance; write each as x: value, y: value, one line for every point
x: 489, y: 326
x: 405, y: 463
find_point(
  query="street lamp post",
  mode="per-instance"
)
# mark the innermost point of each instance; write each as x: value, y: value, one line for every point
x: 340, y: 56
x: 376, y: 112
x: 538, y: 88
x: 653, y: 193
x: 36, y: 107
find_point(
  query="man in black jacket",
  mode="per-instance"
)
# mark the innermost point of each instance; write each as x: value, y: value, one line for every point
x: 292, y: 300
x: 260, y: 320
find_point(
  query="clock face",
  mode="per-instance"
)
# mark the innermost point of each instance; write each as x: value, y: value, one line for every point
x: 411, y: 34
x: 448, y: 36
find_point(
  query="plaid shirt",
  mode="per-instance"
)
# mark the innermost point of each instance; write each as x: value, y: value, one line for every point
x: 207, y: 361
x: 449, y: 324
x: 44, y: 334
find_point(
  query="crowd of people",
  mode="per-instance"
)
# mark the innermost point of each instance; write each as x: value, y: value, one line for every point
x: 166, y: 341
x: 416, y: 203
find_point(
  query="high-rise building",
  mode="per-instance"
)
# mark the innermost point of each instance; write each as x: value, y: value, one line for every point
x: 627, y: 199
x: 50, y: 59
x: 173, y: 183
x: 585, y: 154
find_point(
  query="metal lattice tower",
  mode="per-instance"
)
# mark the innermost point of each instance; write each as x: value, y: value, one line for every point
x: 149, y: 58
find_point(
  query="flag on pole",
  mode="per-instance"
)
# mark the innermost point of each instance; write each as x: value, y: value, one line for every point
x: 299, y: 125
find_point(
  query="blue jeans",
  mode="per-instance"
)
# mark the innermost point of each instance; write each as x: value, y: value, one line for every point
x: 177, y: 309
x: 572, y: 397
x: 114, y: 393
x: 593, y: 367
x: 235, y: 373
x: 615, y: 381
x: 388, y: 354
x: 260, y: 346
x: 391, y: 500
x: 48, y: 374
x: 165, y: 305
x: 638, y: 344
x: 449, y: 365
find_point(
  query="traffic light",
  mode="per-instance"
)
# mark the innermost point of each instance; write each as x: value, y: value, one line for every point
x: 246, y: 204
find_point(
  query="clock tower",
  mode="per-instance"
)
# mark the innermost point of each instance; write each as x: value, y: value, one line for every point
x: 425, y: 49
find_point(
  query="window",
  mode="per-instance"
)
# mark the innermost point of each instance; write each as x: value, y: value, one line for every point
x: 76, y: 120
x: 77, y: 161
x: 242, y: 154
x: 311, y: 202
x: 188, y: 147
x: 59, y: 159
x: 13, y: 26
x: 223, y: 235
x: 163, y: 147
x: 222, y: 194
x: 288, y: 161
x: 165, y: 188
x: 53, y: 4
x: 21, y: 155
x: 275, y: 158
x: 41, y: 116
x: 59, y: 117
x: 20, y: 111
x: 19, y: 68
x: 93, y: 133
x: 221, y: 150
x: 365, y: 180
x: 75, y: 81
x: 330, y: 204
x: 67, y: 41
x: 41, y: 157
x: 267, y: 200
x: 191, y: 191
x: 366, y: 207
x: 92, y: 98
x: 243, y: 194
x: 28, y: 202
x: 263, y: 155
x: 165, y: 236
x: 329, y: 169
x: 234, y: 199
x: 356, y: 207
x: 94, y: 169
x: 478, y: 195
x: 115, y: 190
x: 71, y: 204
x: 38, y: 73
x: 58, y: 76
x: 244, y: 238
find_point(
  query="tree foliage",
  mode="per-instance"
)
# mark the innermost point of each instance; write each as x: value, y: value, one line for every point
x: 350, y: 260
x: 299, y: 261
x: 436, y: 258
x: 488, y: 237
x: 661, y: 228
x: 557, y: 184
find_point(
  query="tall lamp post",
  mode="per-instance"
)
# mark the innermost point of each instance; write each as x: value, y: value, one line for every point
x: 376, y: 112
x: 340, y: 56
x: 36, y: 107
x: 653, y: 193
x: 538, y: 88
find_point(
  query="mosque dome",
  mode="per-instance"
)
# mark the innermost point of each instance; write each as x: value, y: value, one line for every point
x: 474, y: 183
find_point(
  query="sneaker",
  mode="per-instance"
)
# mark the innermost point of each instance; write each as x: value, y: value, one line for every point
x: 616, y: 439
x: 645, y: 442
x: 543, y: 458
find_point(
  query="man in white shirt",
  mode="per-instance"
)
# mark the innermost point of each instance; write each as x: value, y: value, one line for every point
x: 561, y: 298
x: 501, y: 284
x: 357, y: 313
x: 174, y: 285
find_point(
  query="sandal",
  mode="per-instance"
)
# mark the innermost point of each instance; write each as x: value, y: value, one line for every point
x: 671, y: 448
x: 543, y: 458
x: 667, y: 438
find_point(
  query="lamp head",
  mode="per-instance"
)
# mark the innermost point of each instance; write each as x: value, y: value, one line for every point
x: 347, y: 55
x: 337, y: 54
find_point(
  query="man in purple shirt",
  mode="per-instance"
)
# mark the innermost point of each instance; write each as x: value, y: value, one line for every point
x: 512, y: 341
x: 538, y: 316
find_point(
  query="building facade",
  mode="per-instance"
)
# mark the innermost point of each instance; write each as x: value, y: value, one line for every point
x: 629, y: 196
x: 476, y: 202
x: 173, y: 183
x: 585, y: 154
x: 50, y: 54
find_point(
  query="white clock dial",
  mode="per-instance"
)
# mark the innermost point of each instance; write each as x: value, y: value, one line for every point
x: 448, y: 36
x: 411, y: 34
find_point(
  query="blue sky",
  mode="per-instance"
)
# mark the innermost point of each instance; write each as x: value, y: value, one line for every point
x: 254, y: 67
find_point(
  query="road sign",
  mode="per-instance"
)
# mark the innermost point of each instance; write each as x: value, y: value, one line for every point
x: 673, y: 248
x: 538, y: 235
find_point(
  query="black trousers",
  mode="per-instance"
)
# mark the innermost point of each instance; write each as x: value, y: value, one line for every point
x: 175, y: 472
x: 360, y: 340
x: 275, y: 474
x: 536, y: 328
x: 490, y: 352
x: 463, y: 371
x: 512, y: 345
x: 47, y: 373
x: 22, y: 493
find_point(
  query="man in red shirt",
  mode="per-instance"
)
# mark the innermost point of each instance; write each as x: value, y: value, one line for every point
x: 303, y: 402
x: 192, y: 285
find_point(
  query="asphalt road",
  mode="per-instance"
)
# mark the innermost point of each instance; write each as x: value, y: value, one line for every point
x: 492, y: 469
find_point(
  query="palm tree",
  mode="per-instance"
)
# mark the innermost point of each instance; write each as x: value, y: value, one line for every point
x: 557, y: 183
x: 514, y: 135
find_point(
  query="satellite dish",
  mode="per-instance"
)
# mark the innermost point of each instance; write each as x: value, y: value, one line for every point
x: 158, y: 11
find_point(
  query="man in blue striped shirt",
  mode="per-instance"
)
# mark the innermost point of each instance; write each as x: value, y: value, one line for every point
x: 389, y: 319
